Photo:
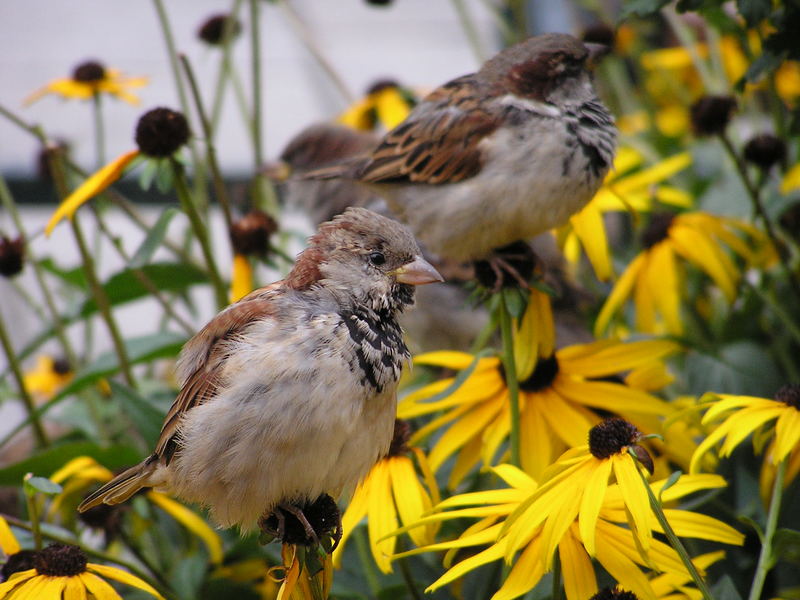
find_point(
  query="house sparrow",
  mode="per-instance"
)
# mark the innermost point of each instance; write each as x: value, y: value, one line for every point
x: 495, y: 156
x: 290, y: 393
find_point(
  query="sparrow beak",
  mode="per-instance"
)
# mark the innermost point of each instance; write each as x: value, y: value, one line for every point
x: 278, y: 171
x: 597, y: 52
x: 418, y: 272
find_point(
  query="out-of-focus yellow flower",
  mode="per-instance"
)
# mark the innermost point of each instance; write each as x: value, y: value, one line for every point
x: 253, y: 572
x: 61, y: 571
x: 625, y: 188
x: 791, y: 181
x: 655, y: 276
x: 47, y: 377
x: 241, y: 277
x: 746, y: 415
x: 81, y: 472
x: 89, y: 79
x: 558, y: 401
x: 392, y: 489
x: 386, y: 104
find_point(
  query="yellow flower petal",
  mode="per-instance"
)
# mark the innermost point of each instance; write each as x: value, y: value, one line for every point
x: 593, y: 493
x: 663, y: 276
x: 655, y: 174
x: 391, y: 107
x: 192, y: 522
x: 410, y: 498
x: 8, y: 542
x: 466, y: 428
x: 600, y: 359
x: 787, y: 433
x: 74, y: 589
x: 81, y: 465
x: 449, y: 359
x: 525, y: 574
x: 491, y: 554
x: 791, y: 181
x: 621, y: 568
x: 619, y: 294
x: 241, y: 277
x: 123, y: 577
x: 576, y: 569
x: 635, y: 497
x: 382, y: 517
x: 98, y: 588
x: 590, y: 229
x: 700, y: 526
x: 359, y: 115
x: 98, y: 182
x: 697, y: 248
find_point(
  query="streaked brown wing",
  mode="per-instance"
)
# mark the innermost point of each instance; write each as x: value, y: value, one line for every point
x: 438, y: 142
x: 211, y: 347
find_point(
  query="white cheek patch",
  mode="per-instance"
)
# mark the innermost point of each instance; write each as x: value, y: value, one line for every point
x: 540, y: 108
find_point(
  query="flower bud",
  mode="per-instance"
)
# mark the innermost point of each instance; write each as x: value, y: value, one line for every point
x: 250, y: 234
x: 212, y: 32
x: 12, y: 256
x: 711, y: 114
x: 89, y: 72
x: 161, y: 132
x: 765, y: 150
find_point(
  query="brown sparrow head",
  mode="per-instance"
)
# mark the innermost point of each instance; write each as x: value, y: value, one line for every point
x: 498, y: 155
x: 290, y: 393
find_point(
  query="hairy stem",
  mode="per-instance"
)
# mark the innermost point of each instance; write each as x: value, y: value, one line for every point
x: 511, y: 380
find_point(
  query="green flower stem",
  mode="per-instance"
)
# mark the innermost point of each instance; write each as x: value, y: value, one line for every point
x: 199, y: 167
x: 308, y: 40
x: 511, y: 380
x: 211, y: 153
x: 765, y: 558
x: 33, y: 514
x: 468, y: 25
x: 406, y: 572
x: 758, y: 208
x: 16, y: 370
x: 264, y: 192
x: 367, y: 564
x: 673, y: 540
x: 57, y: 171
x: 99, y: 130
x: 199, y: 229
x: 133, y: 568
x: 226, y: 68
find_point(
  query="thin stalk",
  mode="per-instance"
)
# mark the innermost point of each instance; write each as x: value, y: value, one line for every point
x: 673, y: 539
x: 92, y: 552
x: 468, y: 25
x: 687, y: 40
x: 27, y: 400
x: 758, y: 207
x: 29, y: 300
x: 309, y: 41
x: 200, y: 231
x: 765, y: 556
x: 211, y: 153
x: 33, y: 515
x: 99, y: 130
x: 169, y: 40
x: 264, y: 192
x: 783, y: 315
x: 408, y: 576
x: 56, y: 166
x: 226, y: 68
x: 367, y: 564
x: 511, y: 381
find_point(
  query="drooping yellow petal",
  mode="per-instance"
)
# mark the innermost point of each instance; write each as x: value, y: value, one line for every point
x: 491, y: 554
x: 356, y: 510
x: 599, y: 359
x: 81, y: 465
x: 707, y: 256
x: 696, y: 525
x: 65, y: 87
x: 192, y: 522
x: 470, y: 425
x: 16, y: 579
x: 624, y: 571
x: 590, y: 229
x: 663, y: 277
x: 8, y: 542
x: 124, y: 577
x: 791, y: 181
x: 241, y: 277
x: 449, y: 359
x: 635, y: 497
x: 593, y: 494
x: 526, y: 572
x: 576, y: 568
x: 98, y: 588
x: 787, y: 432
x: 655, y: 174
x: 619, y: 294
x: 94, y: 185
x: 74, y: 589
x: 410, y: 498
x: 382, y: 517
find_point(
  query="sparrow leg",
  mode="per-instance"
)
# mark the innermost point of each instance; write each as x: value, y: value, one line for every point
x: 300, y: 516
x: 507, y: 266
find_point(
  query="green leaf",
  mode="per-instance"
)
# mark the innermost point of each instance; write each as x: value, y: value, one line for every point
x: 671, y: 480
x: 725, y: 588
x: 786, y: 545
x: 761, y: 66
x: 743, y: 368
x: 43, y: 485
x: 74, y: 277
x: 642, y: 8
x: 54, y: 457
x: 164, y: 177
x: 516, y: 302
x: 153, y: 240
x: 146, y: 416
x: 125, y: 286
x: 753, y: 525
x: 148, y: 174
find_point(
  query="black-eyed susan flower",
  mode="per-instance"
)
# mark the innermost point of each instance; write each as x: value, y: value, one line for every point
x: 81, y: 472
x: 655, y: 277
x: 626, y: 188
x: 710, y: 115
x: 385, y: 104
x: 616, y: 550
x: 213, y: 29
x: 765, y: 150
x: 560, y: 395
x: 62, y: 571
x: 392, y: 493
x: 48, y: 376
x: 763, y: 418
x: 159, y: 134
x: 89, y: 79
x: 249, y: 237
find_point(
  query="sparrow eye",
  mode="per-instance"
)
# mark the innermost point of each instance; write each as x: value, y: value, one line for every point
x: 377, y: 258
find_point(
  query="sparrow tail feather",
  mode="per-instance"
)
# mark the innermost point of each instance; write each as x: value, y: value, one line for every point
x: 122, y: 487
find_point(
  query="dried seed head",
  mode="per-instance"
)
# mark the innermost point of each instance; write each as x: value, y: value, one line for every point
x: 322, y: 514
x: 89, y: 72
x: 161, y: 132
x: 711, y: 114
x: 60, y: 560
x: 19, y: 561
x: 789, y: 394
x: 61, y: 366
x: 611, y: 436
x: 765, y: 150
x: 12, y: 256
x: 213, y: 30
x: 615, y: 594
x: 402, y: 433
x: 250, y: 234
x: 657, y: 230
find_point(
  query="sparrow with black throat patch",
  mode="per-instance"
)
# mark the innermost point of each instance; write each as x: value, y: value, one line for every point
x: 496, y: 156
x: 290, y: 393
